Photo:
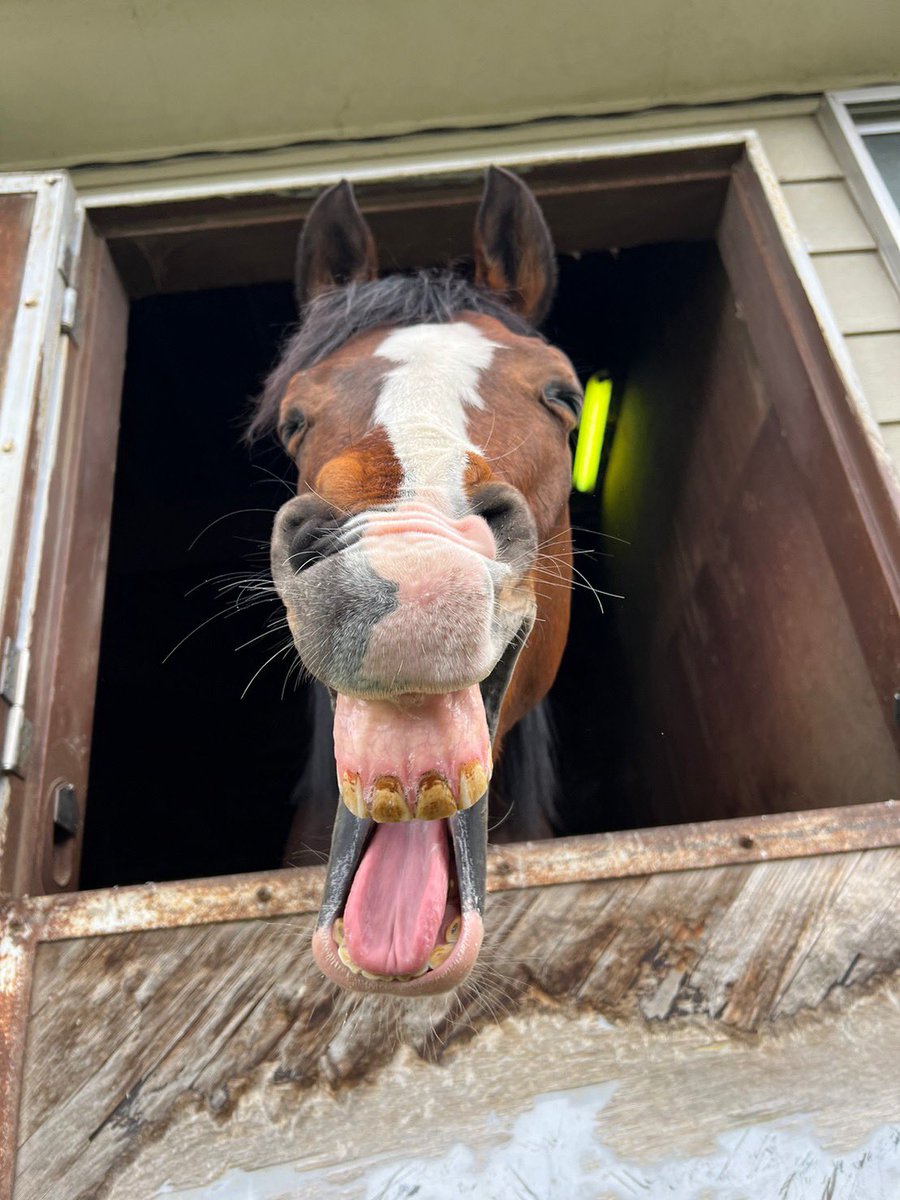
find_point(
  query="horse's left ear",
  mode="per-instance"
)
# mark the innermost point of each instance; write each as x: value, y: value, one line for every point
x: 336, y: 245
x: 513, y: 248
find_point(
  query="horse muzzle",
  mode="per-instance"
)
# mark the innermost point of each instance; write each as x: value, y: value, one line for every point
x: 414, y: 622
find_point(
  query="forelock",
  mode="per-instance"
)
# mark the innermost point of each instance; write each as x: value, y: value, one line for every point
x: 332, y: 318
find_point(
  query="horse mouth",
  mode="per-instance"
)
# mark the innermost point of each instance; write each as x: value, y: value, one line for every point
x: 404, y: 895
x: 439, y: 947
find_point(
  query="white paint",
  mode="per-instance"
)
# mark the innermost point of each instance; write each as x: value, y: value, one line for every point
x: 423, y: 401
x: 552, y: 1152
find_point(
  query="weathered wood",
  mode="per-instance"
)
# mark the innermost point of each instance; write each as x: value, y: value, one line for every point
x: 63, y: 670
x: 512, y: 866
x: 174, y: 1055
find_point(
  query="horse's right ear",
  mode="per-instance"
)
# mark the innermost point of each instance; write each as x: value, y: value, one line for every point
x: 335, y: 247
x: 513, y: 248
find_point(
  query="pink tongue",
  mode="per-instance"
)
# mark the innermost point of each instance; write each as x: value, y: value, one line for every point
x: 393, y: 913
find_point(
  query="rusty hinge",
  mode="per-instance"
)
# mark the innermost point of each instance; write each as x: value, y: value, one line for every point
x: 13, y: 680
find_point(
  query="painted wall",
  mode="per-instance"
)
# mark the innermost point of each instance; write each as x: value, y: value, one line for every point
x: 107, y: 80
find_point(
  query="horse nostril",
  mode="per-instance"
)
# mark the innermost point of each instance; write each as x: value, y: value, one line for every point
x: 302, y: 544
x: 505, y: 512
x: 309, y: 533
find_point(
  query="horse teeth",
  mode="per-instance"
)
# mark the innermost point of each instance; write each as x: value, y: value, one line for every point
x: 352, y: 794
x: 434, y: 798
x: 451, y: 933
x: 337, y: 931
x: 344, y: 956
x: 439, y: 954
x: 388, y: 802
x: 472, y: 784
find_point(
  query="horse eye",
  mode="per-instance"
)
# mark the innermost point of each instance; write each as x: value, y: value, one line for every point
x: 563, y: 395
x: 294, y: 423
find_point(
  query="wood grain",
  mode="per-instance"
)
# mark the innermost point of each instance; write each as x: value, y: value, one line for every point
x: 218, y: 1042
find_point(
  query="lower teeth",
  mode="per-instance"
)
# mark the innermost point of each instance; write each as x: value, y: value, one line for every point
x: 439, y: 955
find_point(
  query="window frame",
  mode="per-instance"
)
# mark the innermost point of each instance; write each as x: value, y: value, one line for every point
x: 846, y: 138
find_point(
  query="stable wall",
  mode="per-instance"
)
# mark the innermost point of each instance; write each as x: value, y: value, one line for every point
x: 108, y: 80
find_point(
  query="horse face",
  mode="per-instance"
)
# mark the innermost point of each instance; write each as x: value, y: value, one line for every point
x: 428, y: 476
x: 432, y: 466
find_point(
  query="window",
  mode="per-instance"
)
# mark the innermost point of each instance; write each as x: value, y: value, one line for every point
x: 863, y: 127
x: 676, y: 276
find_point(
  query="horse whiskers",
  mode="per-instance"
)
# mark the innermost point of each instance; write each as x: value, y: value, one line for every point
x: 237, y: 512
x: 259, y: 670
x: 277, y: 478
x: 276, y: 628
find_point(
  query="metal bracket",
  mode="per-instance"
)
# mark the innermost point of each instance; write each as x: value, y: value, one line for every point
x: 13, y: 680
x: 69, y: 322
x: 9, y: 671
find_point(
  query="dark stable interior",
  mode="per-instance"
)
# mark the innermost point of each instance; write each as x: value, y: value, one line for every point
x: 201, y: 725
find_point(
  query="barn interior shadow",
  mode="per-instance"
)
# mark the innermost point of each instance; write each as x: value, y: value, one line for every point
x: 201, y: 725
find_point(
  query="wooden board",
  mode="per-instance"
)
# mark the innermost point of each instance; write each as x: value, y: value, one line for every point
x: 698, y: 1011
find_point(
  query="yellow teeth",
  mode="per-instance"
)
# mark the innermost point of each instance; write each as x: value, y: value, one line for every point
x: 438, y: 955
x: 434, y: 796
x: 337, y: 931
x: 344, y: 956
x: 352, y: 795
x: 435, y: 800
x: 472, y: 784
x: 451, y: 933
x: 388, y: 802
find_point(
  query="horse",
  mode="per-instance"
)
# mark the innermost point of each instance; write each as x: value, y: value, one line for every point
x: 430, y: 426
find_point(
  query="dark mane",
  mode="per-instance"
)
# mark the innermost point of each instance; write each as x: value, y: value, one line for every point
x: 332, y: 318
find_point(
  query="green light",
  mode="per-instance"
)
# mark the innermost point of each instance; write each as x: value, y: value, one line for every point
x: 591, y: 430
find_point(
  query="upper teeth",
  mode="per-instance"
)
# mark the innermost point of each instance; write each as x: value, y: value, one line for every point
x: 386, y: 800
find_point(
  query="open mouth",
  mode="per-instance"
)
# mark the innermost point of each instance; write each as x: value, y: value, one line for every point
x: 404, y: 896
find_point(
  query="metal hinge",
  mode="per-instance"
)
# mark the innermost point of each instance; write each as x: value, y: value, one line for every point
x: 68, y: 319
x: 13, y: 680
x: 67, y: 265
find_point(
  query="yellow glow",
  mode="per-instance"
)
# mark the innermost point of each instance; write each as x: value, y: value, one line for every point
x: 591, y: 431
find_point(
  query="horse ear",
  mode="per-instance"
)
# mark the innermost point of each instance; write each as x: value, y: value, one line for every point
x: 513, y: 248
x: 335, y: 247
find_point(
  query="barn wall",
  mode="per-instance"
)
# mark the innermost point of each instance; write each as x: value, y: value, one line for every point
x: 673, y: 1033
x: 128, y: 80
x: 862, y: 296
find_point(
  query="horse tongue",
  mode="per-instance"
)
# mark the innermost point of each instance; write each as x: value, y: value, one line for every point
x: 393, y: 913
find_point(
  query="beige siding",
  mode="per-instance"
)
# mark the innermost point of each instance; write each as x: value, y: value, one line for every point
x: 797, y: 150
x: 877, y: 361
x: 864, y: 299
x: 827, y: 218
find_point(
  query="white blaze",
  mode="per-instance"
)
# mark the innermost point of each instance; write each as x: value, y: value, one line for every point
x: 423, y: 401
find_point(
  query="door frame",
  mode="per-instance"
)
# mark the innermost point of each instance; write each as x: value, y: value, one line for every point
x: 790, y: 304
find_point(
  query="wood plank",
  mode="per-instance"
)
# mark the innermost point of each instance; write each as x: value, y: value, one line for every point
x: 827, y: 218
x: 15, y: 229
x: 63, y: 671
x: 175, y: 1055
x: 854, y: 499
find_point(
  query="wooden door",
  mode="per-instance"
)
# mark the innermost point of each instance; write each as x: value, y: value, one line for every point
x: 62, y: 338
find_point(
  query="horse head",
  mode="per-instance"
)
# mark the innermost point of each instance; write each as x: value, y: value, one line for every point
x: 429, y: 423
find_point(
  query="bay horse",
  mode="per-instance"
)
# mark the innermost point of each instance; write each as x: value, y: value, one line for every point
x: 429, y: 423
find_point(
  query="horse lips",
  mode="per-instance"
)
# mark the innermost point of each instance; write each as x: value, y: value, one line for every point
x: 411, y: 749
